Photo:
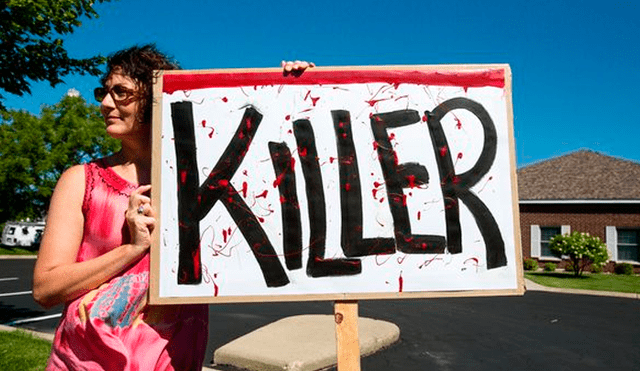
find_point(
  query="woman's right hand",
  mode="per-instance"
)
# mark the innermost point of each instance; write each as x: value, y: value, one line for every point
x: 140, y: 218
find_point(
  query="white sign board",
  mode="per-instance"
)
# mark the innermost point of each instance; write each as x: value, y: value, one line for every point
x: 340, y: 183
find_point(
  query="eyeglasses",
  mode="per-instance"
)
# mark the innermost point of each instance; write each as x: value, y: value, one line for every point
x: 119, y: 93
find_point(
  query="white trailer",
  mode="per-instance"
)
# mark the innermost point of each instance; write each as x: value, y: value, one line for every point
x: 22, y: 233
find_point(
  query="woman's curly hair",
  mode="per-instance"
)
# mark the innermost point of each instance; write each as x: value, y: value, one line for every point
x: 139, y: 64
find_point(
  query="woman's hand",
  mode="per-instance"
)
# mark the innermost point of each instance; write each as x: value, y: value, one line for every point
x: 140, y: 218
x: 296, y: 68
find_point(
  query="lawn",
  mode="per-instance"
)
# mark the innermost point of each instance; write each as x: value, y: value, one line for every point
x: 20, y: 351
x: 588, y: 281
x: 15, y: 250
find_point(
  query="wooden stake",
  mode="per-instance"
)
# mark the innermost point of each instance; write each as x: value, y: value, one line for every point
x: 347, y: 341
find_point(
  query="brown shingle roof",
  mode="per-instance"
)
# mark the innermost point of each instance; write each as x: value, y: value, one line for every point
x: 581, y: 175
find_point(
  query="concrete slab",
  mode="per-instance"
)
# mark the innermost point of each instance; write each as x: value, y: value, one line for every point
x: 301, y: 343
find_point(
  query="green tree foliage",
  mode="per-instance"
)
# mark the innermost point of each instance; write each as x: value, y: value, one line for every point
x: 34, y: 151
x: 31, y: 47
x: 581, y: 248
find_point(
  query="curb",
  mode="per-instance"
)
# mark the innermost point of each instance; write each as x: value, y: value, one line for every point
x: 39, y: 335
x: 6, y: 257
x: 532, y: 286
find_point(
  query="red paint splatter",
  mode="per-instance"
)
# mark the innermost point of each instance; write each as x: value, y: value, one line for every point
x: 313, y: 100
x: 332, y: 159
x: 261, y: 219
x: 375, y: 146
x: 373, y: 102
x: 456, y: 180
x: 224, y: 235
x: 419, y: 214
x: 223, y: 182
x: 183, y: 176
x: 424, y: 118
x: 412, y: 180
x: 382, y: 200
x: 392, y: 136
x: 289, y: 131
x: 459, y: 155
x: 374, y: 192
x: 283, y: 199
x: 404, y: 200
x: 245, y: 173
x: 344, y: 135
x: 458, y: 123
x: 400, y: 283
x: 287, y: 117
x: 244, y: 189
x: 211, y: 133
x: 302, y: 152
x: 224, y: 99
x: 443, y: 151
x: 278, y: 180
x: 263, y: 194
x: 347, y: 187
x: 204, y: 123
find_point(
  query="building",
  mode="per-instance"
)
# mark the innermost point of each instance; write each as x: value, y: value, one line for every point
x: 582, y: 191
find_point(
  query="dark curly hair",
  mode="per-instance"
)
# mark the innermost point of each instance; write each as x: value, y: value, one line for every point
x: 138, y: 63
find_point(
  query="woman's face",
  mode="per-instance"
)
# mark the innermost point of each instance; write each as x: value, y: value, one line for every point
x: 121, y: 115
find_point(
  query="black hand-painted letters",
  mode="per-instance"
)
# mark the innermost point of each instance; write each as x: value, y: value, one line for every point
x: 195, y: 200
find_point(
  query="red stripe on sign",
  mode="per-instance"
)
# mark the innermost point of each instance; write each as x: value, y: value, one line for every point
x: 465, y: 79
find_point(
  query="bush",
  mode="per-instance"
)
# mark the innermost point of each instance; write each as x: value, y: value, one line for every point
x: 623, y: 268
x: 530, y: 265
x: 569, y: 267
x: 550, y: 267
x: 596, y: 268
x: 581, y: 248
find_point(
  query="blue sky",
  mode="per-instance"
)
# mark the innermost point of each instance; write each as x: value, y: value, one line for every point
x: 575, y: 64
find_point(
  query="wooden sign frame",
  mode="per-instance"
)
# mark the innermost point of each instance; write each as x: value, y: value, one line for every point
x: 464, y: 78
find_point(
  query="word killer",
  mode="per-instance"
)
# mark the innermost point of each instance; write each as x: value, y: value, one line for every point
x: 195, y: 200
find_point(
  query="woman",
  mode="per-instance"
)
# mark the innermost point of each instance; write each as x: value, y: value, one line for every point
x: 94, y: 252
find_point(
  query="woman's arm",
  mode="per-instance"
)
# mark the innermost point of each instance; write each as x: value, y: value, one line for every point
x: 57, y: 277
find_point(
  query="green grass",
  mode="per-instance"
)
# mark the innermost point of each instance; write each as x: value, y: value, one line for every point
x: 588, y: 281
x: 14, y: 250
x: 21, y: 351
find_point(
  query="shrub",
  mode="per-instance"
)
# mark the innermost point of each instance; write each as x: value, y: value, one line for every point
x: 596, y: 268
x: 623, y: 268
x: 569, y: 267
x: 530, y: 265
x: 581, y: 248
x: 550, y: 267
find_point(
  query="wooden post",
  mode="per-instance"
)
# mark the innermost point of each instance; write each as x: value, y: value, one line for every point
x: 347, y: 341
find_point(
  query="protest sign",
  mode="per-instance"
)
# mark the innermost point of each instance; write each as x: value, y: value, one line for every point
x: 340, y: 183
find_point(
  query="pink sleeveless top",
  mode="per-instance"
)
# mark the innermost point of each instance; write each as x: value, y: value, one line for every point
x: 112, y: 327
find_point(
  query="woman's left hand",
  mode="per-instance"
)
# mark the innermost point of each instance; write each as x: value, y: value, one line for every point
x: 296, y: 67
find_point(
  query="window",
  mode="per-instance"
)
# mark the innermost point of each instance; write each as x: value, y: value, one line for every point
x: 628, y: 247
x: 540, y: 238
x: 12, y: 230
x: 546, y: 234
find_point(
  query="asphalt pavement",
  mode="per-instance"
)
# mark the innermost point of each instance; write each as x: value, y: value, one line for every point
x: 540, y: 330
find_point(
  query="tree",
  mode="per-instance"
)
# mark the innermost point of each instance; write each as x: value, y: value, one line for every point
x: 31, y: 47
x: 34, y: 151
x: 581, y: 248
